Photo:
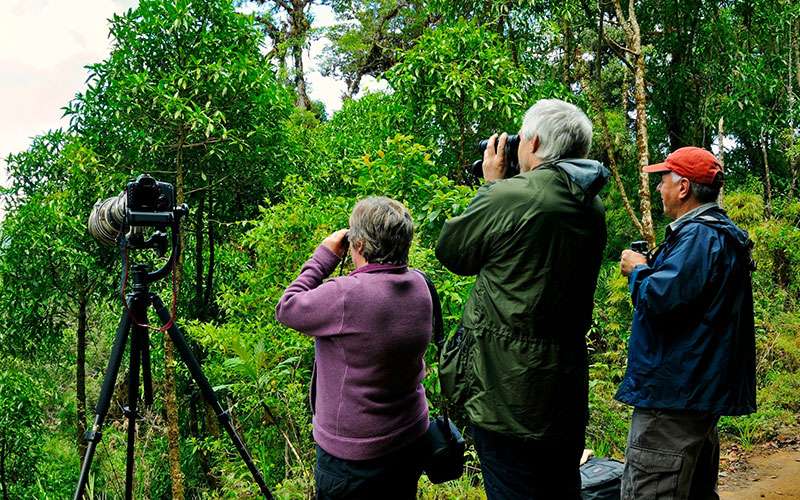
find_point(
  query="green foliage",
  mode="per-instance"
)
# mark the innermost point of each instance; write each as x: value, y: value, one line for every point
x: 744, y: 208
x: 460, y: 84
x: 21, y: 429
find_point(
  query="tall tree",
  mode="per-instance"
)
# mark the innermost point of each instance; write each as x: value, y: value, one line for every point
x: 370, y: 36
x: 287, y: 23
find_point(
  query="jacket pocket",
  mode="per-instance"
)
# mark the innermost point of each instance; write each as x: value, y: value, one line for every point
x: 330, y: 485
x: 652, y: 474
x: 454, y: 366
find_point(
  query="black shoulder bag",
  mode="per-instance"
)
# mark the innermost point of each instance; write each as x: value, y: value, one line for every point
x: 445, y: 459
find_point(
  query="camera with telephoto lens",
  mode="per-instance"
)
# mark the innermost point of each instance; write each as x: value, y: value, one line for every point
x: 511, y: 155
x: 145, y: 203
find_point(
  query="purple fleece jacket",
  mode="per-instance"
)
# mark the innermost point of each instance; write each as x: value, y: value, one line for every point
x: 371, y: 329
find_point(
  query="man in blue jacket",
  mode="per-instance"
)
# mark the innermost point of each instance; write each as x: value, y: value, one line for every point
x: 691, y: 354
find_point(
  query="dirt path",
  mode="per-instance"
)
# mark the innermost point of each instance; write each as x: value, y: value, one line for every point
x: 771, y: 476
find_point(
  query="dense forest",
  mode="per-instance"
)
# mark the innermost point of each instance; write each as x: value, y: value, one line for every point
x: 215, y: 101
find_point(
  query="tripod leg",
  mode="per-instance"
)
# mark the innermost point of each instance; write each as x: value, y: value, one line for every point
x: 208, y: 393
x: 104, y: 401
x: 133, y: 396
x: 147, y: 378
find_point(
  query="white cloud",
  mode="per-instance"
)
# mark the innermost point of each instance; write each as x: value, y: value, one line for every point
x: 44, y: 46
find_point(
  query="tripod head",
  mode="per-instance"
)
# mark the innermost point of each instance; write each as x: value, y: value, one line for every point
x: 131, y: 236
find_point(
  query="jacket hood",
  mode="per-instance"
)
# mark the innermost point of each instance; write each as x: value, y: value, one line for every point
x: 718, y: 219
x: 588, y: 176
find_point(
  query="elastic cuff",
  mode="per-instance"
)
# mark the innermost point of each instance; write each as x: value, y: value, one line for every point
x: 326, y: 258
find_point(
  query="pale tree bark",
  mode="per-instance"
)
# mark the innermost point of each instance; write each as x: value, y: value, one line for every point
x: 634, y: 40
x: 303, y: 101
x: 608, y: 145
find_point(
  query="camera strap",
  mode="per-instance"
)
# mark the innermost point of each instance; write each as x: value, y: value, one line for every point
x: 438, y: 338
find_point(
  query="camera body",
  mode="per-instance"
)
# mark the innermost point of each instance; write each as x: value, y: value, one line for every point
x: 149, y: 202
x: 511, y: 154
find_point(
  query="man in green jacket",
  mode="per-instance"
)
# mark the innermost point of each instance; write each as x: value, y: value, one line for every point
x: 517, y: 364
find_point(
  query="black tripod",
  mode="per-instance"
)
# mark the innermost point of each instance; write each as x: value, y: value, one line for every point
x: 132, y: 323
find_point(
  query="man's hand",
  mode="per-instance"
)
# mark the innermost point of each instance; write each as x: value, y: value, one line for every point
x: 629, y: 260
x: 335, y: 242
x: 494, y: 158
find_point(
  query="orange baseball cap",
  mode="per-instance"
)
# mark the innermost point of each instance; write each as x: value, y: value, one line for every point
x: 696, y: 164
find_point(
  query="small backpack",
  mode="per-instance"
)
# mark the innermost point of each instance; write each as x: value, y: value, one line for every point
x: 601, y: 479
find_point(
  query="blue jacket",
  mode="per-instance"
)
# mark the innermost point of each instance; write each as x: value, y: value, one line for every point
x: 692, y: 344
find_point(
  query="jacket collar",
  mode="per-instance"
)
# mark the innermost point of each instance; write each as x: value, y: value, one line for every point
x: 380, y: 268
x: 691, y: 214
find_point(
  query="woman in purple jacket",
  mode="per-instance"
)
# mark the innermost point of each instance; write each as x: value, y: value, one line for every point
x: 371, y: 329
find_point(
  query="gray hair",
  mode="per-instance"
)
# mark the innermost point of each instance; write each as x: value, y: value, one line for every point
x: 564, y: 130
x: 384, y: 227
x: 703, y: 193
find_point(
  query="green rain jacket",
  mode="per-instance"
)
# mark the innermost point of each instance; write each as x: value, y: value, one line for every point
x: 517, y: 364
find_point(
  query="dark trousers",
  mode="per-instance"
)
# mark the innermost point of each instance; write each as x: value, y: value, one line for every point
x: 517, y: 469
x: 671, y: 455
x: 391, y: 477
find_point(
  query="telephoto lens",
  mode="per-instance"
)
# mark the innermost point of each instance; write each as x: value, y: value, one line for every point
x: 511, y: 154
x: 105, y: 221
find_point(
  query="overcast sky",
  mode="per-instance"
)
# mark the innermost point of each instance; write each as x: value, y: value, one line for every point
x: 44, y: 46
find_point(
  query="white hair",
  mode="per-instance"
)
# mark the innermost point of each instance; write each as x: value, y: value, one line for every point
x: 564, y: 130
x: 675, y: 177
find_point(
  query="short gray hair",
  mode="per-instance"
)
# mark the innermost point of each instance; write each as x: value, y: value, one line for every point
x: 384, y: 227
x: 703, y: 193
x: 564, y: 130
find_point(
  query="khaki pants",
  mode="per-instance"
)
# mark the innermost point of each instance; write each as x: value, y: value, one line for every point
x: 671, y: 455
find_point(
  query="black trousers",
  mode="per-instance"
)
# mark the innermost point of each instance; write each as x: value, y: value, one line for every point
x: 520, y: 469
x: 391, y: 477
x: 671, y: 455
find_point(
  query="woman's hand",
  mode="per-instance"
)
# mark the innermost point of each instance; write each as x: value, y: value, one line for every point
x: 335, y: 242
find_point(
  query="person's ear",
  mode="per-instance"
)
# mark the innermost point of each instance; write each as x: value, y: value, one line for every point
x: 535, y: 143
x: 685, y: 189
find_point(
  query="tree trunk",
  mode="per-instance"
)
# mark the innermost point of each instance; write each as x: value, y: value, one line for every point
x: 796, y: 47
x: 608, y: 145
x: 303, y: 102
x: 198, y: 256
x: 631, y: 26
x: 567, y: 62
x: 80, y: 376
x: 767, y: 182
x: 721, y: 156
x: 170, y: 397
